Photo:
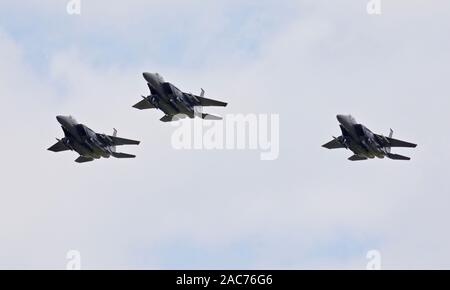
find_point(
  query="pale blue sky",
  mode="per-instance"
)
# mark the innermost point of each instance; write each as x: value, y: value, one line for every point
x: 162, y: 34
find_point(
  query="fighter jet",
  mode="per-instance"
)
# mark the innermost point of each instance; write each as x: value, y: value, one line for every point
x: 87, y: 143
x: 364, y: 143
x: 173, y: 102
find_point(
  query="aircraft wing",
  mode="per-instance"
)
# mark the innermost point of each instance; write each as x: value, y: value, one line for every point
x: 205, y: 102
x: 144, y: 104
x: 334, y: 144
x: 399, y: 143
x: 396, y: 143
x: 122, y: 141
x: 58, y: 147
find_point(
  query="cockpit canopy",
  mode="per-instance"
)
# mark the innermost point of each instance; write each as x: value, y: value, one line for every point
x: 352, y: 119
x: 84, y: 131
x: 71, y: 118
x: 159, y: 77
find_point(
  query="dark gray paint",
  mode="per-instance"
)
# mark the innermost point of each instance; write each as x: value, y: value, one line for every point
x: 173, y: 102
x: 364, y: 143
x: 87, y: 143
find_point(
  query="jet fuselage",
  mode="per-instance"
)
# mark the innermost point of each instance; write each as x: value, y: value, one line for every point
x: 84, y: 140
x: 168, y: 98
x: 359, y: 139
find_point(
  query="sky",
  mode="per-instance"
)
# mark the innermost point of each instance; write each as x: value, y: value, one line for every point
x: 306, y: 61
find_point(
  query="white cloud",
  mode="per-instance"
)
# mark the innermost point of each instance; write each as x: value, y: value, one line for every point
x: 311, y: 208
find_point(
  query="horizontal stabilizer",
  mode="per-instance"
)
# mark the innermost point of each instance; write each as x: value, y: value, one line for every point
x: 83, y: 159
x: 167, y: 118
x: 122, y: 155
x: 58, y: 147
x: 357, y: 158
x: 210, y: 117
x: 397, y: 157
x: 144, y: 104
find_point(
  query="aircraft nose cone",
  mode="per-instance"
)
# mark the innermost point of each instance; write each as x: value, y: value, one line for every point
x: 64, y: 120
x: 147, y: 76
x: 340, y: 117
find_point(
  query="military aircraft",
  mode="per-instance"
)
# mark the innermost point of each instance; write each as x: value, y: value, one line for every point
x: 173, y: 102
x: 364, y: 143
x: 87, y: 143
